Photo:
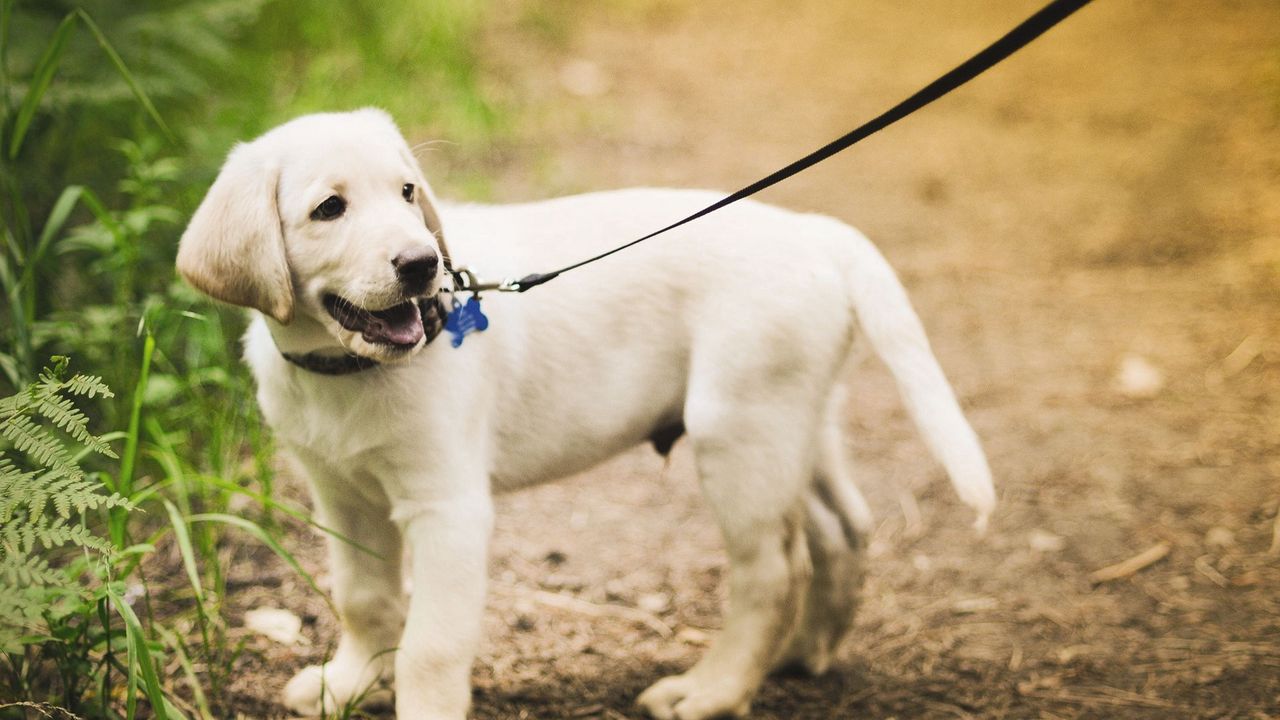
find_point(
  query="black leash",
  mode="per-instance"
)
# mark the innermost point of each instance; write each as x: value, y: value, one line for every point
x: 1034, y: 26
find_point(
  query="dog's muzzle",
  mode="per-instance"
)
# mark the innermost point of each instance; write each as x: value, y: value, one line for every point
x: 399, y: 326
x: 428, y: 314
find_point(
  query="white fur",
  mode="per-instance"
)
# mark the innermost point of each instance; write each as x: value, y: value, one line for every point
x: 739, y: 326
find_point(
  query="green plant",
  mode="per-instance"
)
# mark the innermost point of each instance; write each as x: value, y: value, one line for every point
x: 93, y: 191
x: 54, y: 625
x: 25, y: 246
x: 45, y: 495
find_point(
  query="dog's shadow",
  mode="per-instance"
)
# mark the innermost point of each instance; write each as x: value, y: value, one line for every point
x: 848, y: 690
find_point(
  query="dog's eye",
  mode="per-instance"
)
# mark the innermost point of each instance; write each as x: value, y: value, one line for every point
x: 332, y: 207
x: 407, y: 192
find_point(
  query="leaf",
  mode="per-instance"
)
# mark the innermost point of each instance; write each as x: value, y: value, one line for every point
x: 52, y: 225
x: 112, y: 55
x: 140, y: 657
x: 130, y: 455
x: 40, y: 80
x: 172, y: 639
x: 90, y: 386
x: 255, y: 530
x: 184, y: 547
x: 295, y: 513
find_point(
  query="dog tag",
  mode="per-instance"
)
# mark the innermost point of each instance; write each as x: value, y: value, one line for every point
x: 465, y: 319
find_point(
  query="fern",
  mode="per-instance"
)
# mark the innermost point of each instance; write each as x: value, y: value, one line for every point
x: 44, y: 497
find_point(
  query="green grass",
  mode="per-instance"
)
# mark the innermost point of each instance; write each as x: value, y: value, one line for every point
x: 114, y: 117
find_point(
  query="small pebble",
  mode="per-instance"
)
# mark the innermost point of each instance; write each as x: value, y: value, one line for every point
x: 653, y: 602
x: 1137, y: 378
x: 276, y: 624
x: 1044, y: 541
x: 1219, y: 537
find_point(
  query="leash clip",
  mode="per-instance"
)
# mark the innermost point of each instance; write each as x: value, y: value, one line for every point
x: 464, y: 280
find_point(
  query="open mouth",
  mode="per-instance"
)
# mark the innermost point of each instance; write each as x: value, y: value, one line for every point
x: 399, y: 326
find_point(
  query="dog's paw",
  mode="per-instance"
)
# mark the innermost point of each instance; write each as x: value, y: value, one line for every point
x: 318, y: 691
x: 307, y: 694
x: 686, y: 697
x: 810, y: 653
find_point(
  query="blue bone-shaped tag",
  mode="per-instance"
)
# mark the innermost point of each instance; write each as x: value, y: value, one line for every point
x: 465, y: 319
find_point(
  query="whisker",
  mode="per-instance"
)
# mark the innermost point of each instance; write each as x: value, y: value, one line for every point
x: 429, y: 145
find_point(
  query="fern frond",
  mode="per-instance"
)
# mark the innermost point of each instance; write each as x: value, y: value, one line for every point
x: 64, y: 414
x: 79, y: 494
x: 18, y: 571
x: 36, y: 441
x: 40, y: 469
x: 14, y: 487
x: 89, y: 386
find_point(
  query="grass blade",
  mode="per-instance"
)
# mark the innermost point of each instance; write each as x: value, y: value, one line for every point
x: 184, y: 547
x: 40, y: 80
x: 6, y: 16
x: 102, y: 214
x: 52, y: 225
x: 116, y: 60
x: 188, y: 669
x: 255, y: 530
x: 131, y: 653
x: 128, y: 458
x: 291, y: 511
x: 140, y: 657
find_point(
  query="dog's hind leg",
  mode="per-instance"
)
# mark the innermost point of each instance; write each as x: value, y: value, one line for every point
x: 754, y: 459
x: 837, y: 521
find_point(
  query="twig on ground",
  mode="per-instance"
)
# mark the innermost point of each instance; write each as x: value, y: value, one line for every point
x: 1125, y: 568
x: 1209, y: 571
x: 1104, y: 696
x: 45, y: 709
x: 578, y: 605
x: 954, y: 710
x: 1239, y: 359
x: 1275, y: 534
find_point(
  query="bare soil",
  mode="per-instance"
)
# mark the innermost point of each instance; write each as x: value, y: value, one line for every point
x: 1112, y: 191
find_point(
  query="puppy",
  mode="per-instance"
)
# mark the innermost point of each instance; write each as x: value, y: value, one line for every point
x: 734, y: 330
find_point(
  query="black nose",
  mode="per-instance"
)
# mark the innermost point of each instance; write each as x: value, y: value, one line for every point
x: 415, y: 268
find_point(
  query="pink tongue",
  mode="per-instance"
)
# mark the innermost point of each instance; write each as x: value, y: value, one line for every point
x: 399, y: 325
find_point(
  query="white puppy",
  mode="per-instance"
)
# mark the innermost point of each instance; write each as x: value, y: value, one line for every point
x: 734, y: 330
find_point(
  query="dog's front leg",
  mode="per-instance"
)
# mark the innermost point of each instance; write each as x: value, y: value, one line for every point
x: 364, y: 565
x: 448, y: 544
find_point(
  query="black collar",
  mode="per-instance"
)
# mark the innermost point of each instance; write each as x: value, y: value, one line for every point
x: 433, y: 316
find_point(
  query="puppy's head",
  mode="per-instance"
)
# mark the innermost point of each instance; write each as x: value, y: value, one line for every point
x: 328, y: 217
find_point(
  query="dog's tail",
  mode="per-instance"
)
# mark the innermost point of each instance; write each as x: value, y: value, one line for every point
x: 898, y: 338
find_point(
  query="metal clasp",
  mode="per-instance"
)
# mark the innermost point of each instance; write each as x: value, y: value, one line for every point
x: 464, y: 280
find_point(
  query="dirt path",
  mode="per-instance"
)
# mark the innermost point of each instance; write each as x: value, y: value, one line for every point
x: 1112, y: 191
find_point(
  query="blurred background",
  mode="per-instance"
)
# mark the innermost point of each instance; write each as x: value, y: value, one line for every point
x: 1089, y: 232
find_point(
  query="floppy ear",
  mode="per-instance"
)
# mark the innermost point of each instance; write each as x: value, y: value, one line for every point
x: 233, y: 249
